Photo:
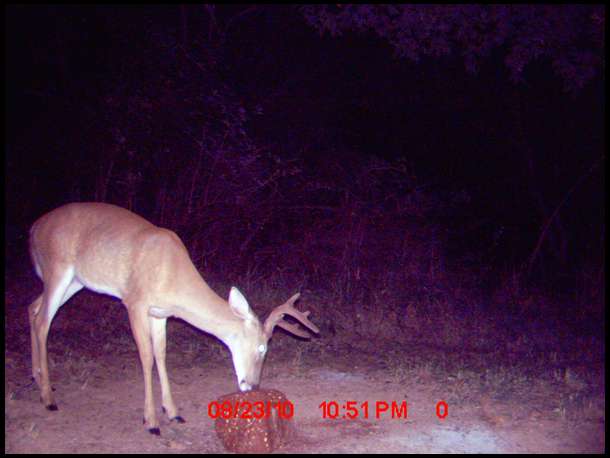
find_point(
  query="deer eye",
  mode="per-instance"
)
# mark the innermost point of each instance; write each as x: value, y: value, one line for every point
x: 262, y: 348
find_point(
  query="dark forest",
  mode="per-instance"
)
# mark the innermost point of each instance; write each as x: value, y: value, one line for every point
x: 429, y: 178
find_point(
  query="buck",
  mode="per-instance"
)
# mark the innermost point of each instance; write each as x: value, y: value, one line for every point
x: 111, y: 250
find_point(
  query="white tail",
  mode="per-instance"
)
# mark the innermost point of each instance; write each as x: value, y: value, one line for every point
x: 111, y: 250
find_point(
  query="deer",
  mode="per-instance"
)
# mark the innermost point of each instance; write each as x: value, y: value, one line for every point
x: 111, y: 250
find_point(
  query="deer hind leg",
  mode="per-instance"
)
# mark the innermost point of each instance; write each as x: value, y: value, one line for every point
x: 33, y: 310
x: 141, y: 330
x: 59, y: 286
x: 158, y: 327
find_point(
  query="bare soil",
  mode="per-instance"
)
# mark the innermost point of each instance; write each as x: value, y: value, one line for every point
x: 99, y: 392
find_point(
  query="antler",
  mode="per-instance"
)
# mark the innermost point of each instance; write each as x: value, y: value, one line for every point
x: 276, y: 318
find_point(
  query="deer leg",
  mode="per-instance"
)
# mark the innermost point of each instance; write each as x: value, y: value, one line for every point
x: 33, y: 310
x: 140, y: 327
x: 158, y: 328
x: 58, y: 288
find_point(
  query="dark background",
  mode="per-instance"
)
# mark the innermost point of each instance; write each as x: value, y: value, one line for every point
x: 430, y: 178
x: 348, y: 158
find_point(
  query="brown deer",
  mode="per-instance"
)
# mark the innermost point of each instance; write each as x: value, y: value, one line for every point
x: 111, y: 250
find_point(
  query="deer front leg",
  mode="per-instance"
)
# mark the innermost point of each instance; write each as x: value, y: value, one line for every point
x: 140, y: 328
x: 158, y: 328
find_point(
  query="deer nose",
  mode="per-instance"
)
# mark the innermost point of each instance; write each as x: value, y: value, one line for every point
x: 245, y: 386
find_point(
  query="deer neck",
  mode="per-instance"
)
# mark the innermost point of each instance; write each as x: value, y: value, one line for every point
x: 206, y: 310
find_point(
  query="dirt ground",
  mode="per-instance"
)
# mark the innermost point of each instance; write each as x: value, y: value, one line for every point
x: 99, y: 392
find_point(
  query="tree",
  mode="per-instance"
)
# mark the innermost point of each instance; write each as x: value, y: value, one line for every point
x: 570, y: 36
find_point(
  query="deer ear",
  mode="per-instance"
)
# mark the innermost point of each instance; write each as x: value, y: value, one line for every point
x: 239, y: 304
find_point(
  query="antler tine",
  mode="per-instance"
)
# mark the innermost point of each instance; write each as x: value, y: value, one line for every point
x: 276, y: 319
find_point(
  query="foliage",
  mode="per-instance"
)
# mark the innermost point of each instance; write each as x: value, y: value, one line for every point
x: 570, y: 36
x: 168, y: 135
